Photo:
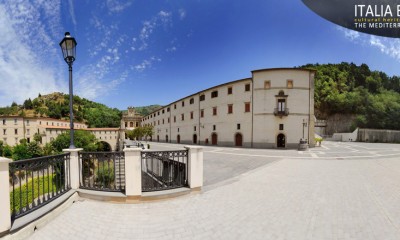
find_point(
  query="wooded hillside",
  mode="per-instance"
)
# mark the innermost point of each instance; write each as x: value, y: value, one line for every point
x: 350, y: 89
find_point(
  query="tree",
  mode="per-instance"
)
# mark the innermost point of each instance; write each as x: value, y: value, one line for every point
x: 148, y: 131
x: 82, y: 139
x: 28, y: 104
x: 20, y: 151
x: 34, y: 149
x: 37, y: 137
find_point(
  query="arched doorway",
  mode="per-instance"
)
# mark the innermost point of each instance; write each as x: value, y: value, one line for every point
x: 238, y: 140
x: 178, y: 138
x: 166, y: 138
x: 103, y: 147
x: 280, y: 141
x: 194, y: 138
x: 158, y: 138
x: 214, y: 139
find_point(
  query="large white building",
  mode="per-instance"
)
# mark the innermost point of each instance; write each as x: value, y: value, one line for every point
x: 15, y: 128
x: 274, y: 108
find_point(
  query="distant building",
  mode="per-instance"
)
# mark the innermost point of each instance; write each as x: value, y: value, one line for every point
x: 14, y: 128
x: 274, y: 108
x: 129, y: 121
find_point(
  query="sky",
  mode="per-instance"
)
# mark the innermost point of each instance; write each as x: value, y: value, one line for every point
x: 143, y: 52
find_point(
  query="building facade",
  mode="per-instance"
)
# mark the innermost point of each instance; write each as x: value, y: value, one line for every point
x: 14, y: 128
x: 274, y: 108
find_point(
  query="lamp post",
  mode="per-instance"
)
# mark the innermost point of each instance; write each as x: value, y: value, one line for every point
x: 304, y: 125
x: 68, y: 47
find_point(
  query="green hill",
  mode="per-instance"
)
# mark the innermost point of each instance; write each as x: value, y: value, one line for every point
x: 56, y: 105
x: 350, y: 89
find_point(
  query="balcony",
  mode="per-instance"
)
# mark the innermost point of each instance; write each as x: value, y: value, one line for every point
x: 281, y: 112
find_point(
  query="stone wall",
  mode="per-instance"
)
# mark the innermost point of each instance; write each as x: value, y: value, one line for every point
x: 378, y: 135
x: 339, y: 123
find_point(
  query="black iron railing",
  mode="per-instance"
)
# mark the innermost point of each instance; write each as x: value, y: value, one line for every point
x: 281, y: 112
x: 35, y: 182
x: 104, y: 171
x: 163, y: 170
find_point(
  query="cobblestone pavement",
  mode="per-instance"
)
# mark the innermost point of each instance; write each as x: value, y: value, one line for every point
x: 339, y: 191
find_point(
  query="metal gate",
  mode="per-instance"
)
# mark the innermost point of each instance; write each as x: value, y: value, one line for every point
x: 163, y: 170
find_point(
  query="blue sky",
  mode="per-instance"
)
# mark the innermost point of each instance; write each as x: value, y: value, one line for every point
x: 142, y: 52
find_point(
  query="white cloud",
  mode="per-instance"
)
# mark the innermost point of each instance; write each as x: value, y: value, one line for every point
x: 145, y: 64
x: 348, y: 33
x: 388, y: 46
x: 28, y: 52
x: 163, y: 18
x: 182, y: 13
x: 116, y: 6
x: 72, y: 12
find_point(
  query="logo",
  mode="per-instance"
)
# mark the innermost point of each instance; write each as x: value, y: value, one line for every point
x: 377, y: 17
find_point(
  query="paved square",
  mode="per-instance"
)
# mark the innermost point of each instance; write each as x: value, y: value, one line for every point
x: 338, y: 191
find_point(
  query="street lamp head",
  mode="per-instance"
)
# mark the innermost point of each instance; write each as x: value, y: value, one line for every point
x: 68, y: 47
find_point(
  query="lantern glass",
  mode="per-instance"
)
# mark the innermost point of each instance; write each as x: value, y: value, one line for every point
x: 68, y: 47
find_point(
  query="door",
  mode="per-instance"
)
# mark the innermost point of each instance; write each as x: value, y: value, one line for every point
x: 158, y: 138
x: 214, y: 139
x: 238, y: 140
x: 194, y: 138
x: 281, y: 140
x: 178, y: 139
x: 166, y: 138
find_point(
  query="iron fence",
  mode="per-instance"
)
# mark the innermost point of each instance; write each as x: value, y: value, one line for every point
x: 37, y: 181
x: 163, y: 170
x: 103, y: 171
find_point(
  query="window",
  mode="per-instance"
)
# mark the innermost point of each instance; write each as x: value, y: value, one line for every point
x: 174, y: 106
x: 230, y: 108
x: 202, y: 113
x: 174, y: 118
x: 27, y: 122
x: 214, y: 127
x: 289, y: 83
x: 183, y: 117
x: 280, y: 126
x: 16, y: 131
x: 267, y: 84
x: 214, y: 94
x: 131, y: 124
x: 214, y: 111
x: 4, y: 122
x: 163, y: 121
x: 202, y: 97
x: 194, y: 128
x: 238, y: 126
x: 158, y: 113
x: 183, y: 103
x: 168, y: 109
x: 247, y: 107
x: 191, y: 100
x: 247, y: 87
x: 281, y: 105
x: 158, y: 122
x: 126, y: 124
x: 229, y: 90
x: 137, y: 124
x: 4, y: 131
x: 15, y: 121
x: 191, y: 115
x: 28, y: 131
x: 163, y: 111
x: 168, y: 120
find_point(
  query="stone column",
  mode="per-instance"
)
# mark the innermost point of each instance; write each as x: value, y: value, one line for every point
x: 5, y: 216
x: 195, y: 170
x: 133, y: 172
x: 75, y: 164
